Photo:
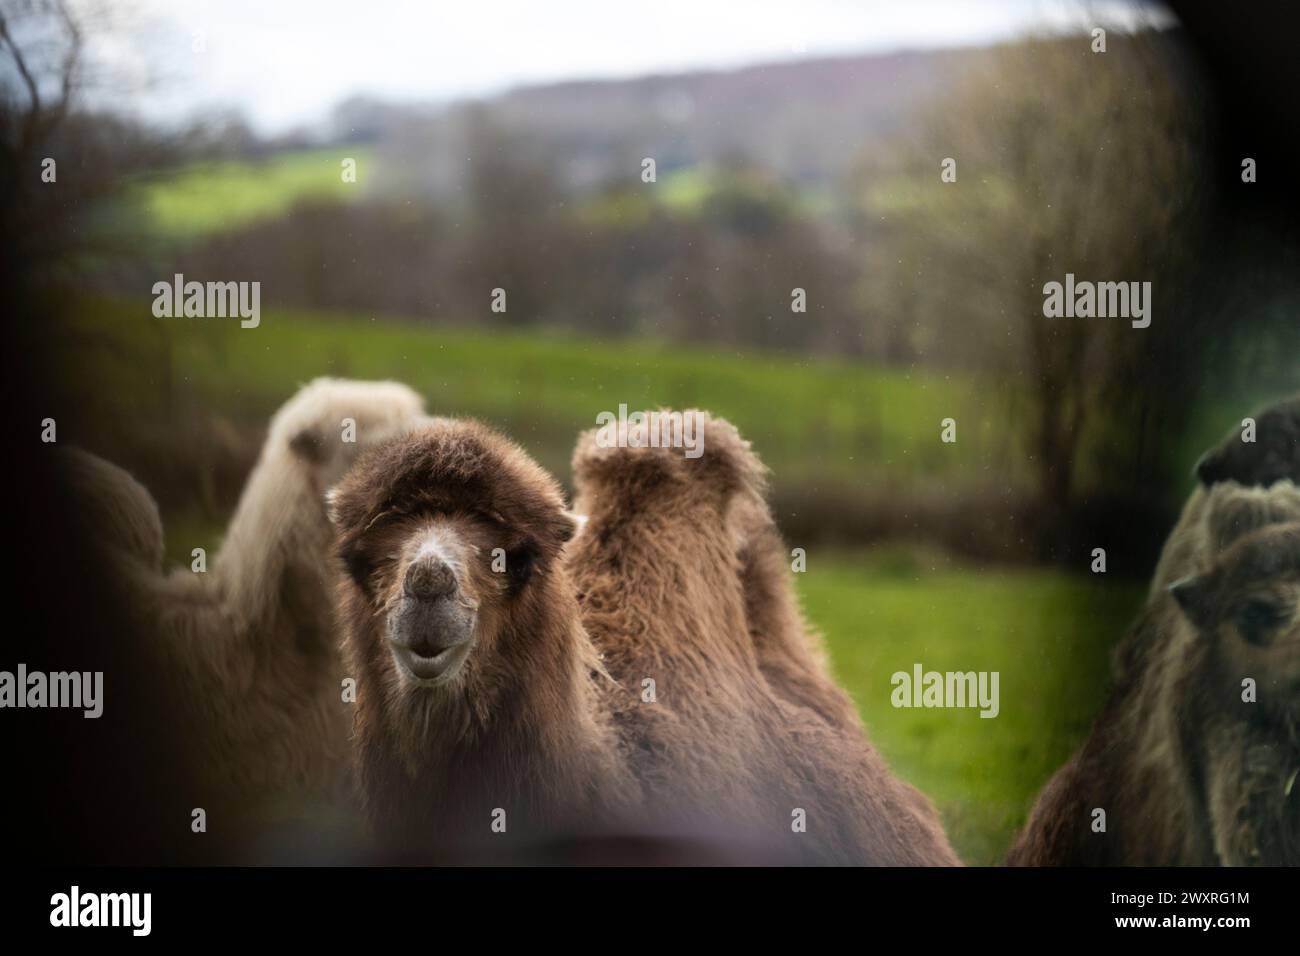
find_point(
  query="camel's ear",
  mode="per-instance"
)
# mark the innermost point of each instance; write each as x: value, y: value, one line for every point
x: 1212, y: 467
x: 308, y: 445
x: 559, y: 529
x: 1191, y: 595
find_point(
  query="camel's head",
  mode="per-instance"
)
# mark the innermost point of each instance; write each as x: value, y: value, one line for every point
x: 1247, y: 605
x: 450, y: 536
x: 329, y: 421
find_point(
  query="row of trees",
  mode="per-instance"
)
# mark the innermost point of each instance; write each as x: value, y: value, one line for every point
x: 1062, y: 160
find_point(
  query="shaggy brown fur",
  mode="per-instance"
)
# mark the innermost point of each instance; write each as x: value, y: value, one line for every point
x: 1186, y: 772
x: 521, y: 725
x: 1246, y: 615
x: 660, y: 565
x: 250, y: 645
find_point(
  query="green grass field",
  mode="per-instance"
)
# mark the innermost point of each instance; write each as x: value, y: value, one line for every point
x: 1048, y: 634
x: 816, y: 422
x: 813, y: 421
x: 211, y: 197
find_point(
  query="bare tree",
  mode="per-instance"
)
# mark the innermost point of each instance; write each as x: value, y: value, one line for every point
x: 1067, y: 161
x: 46, y: 65
x: 40, y: 55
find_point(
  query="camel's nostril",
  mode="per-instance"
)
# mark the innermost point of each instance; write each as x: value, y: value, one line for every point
x: 429, y: 579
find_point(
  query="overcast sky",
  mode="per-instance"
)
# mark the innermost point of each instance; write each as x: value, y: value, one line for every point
x: 284, y: 63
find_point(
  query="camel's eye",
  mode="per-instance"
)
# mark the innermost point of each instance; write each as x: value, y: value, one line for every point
x: 359, y: 567
x: 1256, y: 620
x: 520, y: 561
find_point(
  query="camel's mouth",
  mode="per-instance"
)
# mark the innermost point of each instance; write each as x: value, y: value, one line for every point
x: 428, y: 666
x: 430, y: 639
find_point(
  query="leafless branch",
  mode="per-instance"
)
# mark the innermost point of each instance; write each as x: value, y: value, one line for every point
x: 40, y: 117
x: 33, y: 91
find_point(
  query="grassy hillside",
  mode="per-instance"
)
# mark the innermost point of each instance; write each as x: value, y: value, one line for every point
x: 814, y: 421
x: 211, y: 197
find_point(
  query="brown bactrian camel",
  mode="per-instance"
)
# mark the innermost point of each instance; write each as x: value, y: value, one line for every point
x: 249, y: 641
x: 1188, y: 764
x: 483, y: 717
